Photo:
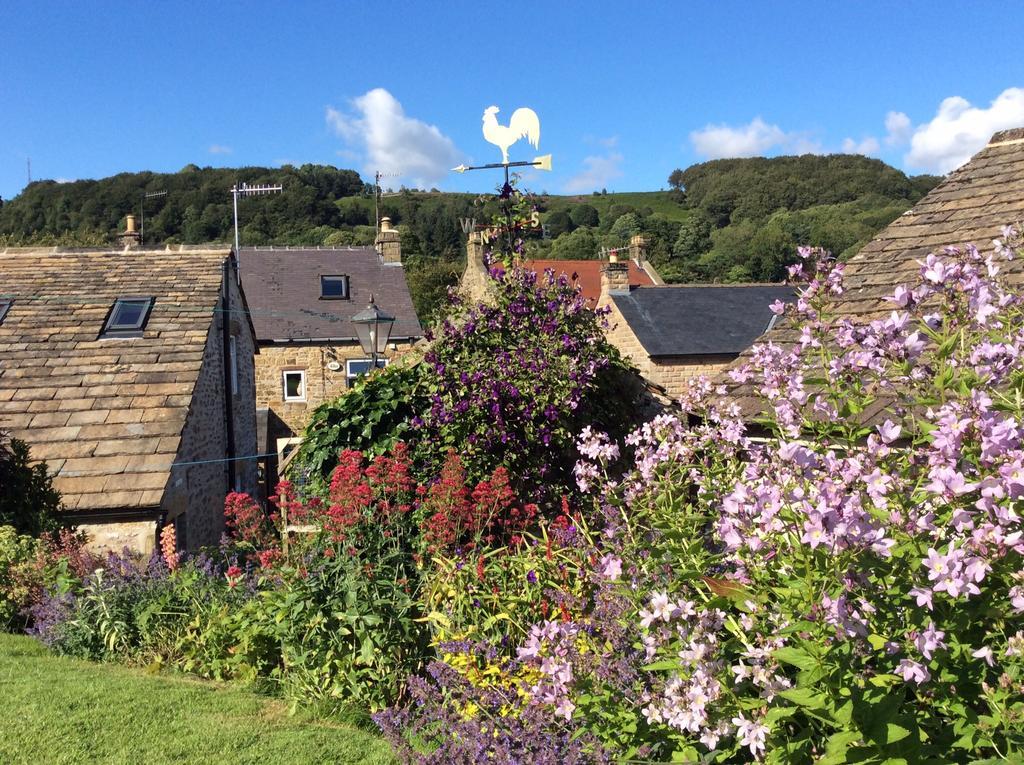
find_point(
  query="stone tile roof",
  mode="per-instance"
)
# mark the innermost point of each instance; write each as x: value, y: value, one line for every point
x: 282, y: 286
x: 587, y: 274
x: 685, y: 320
x: 970, y: 206
x: 105, y: 414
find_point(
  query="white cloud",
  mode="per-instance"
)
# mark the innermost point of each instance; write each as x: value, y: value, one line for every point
x: 866, y: 146
x: 718, y: 141
x: 220, y: 149
x: 754, y: 139
x: 598, y: 171
x: 392, y: 142
x: 897, y: 128
x: 960, y: 130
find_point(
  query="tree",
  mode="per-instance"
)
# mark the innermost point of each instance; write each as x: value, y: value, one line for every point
x: 558, y: 223
x: 626, y: 227
x: 585, y: 215
x: 694, y: 237
x: 581, y: 244
x: 675, y: 179
x: 28, y: 501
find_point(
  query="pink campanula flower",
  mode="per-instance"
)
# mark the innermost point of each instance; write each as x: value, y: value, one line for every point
x: 912, y: 671
x: 611, y: 567
x: 985, y: 654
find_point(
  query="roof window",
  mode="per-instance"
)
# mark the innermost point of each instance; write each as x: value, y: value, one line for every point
x: 128, y: 317
x: 5, y: 306
x: 334, y: 288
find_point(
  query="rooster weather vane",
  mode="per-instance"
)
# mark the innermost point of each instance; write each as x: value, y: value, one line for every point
x: 523, y: 124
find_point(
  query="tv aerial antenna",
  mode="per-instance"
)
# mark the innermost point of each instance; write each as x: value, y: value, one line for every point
x: 246, y: 190
x: 142, y: 213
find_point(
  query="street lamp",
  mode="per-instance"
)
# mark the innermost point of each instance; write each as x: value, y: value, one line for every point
x: 373, y: 327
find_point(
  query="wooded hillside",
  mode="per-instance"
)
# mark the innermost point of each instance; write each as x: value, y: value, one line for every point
x: 724, y: 220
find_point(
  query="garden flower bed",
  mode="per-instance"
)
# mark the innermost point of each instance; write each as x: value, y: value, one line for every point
x: 849, y: 589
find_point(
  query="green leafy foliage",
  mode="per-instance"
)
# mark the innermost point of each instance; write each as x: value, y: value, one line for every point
x: 371, y: 418
x: 28, y: 501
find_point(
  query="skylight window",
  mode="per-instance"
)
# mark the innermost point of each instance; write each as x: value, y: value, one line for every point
x: 334, y: 288
x: 128, y: 317
x: 5, y: 306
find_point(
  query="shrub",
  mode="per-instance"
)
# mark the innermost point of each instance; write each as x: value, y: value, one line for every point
x: 28, y: 501
x: 514, y: 379
x: 17, y: 552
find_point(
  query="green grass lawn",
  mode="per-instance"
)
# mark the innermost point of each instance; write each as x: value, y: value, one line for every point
x: 57, y: 710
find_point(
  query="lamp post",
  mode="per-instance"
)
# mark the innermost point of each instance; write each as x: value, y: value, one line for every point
x: 373, y: 327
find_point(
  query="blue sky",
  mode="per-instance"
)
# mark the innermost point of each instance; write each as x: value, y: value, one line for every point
x: 625, y: 91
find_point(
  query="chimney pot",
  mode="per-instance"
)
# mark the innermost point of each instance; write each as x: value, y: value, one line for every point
x: 129, y: 238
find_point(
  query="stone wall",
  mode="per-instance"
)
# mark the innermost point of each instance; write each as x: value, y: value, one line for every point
x: 137, y: 536
x: 673, y: 372
x: 322, y: 384
x: 199, y: 489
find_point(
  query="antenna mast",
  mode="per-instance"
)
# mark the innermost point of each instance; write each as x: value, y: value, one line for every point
x: 249, y: 191
x: 142, y: 215
x: 377, y: 196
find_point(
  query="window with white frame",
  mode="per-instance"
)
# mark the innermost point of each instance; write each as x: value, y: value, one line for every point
x: 334, y: 287
x: 233, y: 352
x: 294, y: 382
x: 354, y: 368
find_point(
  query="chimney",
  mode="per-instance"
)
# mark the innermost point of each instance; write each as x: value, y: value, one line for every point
x: 475, y: 279
x: 614, y: 278
x: 129, y: 238
x: 388, y: 242
x: 638, y: 250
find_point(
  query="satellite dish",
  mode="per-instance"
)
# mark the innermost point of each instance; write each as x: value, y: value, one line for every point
x: 334, y: 366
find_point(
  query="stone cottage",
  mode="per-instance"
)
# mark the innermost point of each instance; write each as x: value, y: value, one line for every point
x: 130, y: 373
x: 673, y: 333
x: 302, y: 302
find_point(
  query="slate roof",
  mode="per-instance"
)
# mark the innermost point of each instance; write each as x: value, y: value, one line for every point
x: 282, y: 286
x: 970, y: 206
x: 685, y: 320
x: 106, y: 415
x: 588, y: 274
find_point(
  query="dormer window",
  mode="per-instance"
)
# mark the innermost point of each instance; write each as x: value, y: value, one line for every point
x: 5, y: 306
x: 334, y: 288
x: 127, y: 317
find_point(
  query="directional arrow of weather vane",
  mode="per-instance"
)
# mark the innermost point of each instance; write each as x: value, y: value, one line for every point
x: 523, y: 124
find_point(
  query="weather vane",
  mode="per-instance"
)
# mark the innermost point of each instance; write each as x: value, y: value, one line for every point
x: 523, y: 124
